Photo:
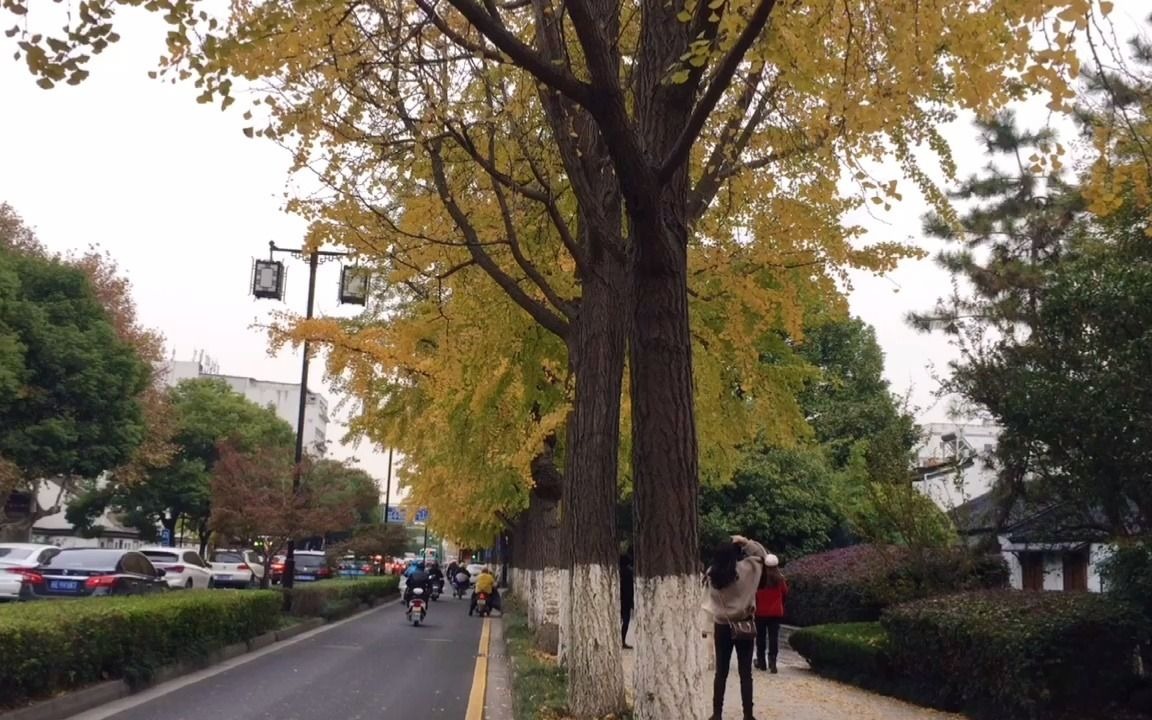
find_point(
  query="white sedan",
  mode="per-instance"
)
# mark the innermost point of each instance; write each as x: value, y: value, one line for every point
x: 13, y: 586
x: 17, y: 568
x: 183, y: 568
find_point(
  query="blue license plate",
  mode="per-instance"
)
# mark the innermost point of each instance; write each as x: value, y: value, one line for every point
x: 63, y: 585
x: 305, y: 577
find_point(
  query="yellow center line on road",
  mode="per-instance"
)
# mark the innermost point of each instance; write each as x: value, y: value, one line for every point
x: 480, y: 676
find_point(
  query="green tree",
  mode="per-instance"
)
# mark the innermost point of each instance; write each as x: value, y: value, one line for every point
x: 1075, y: 392
x: 783, y: 497
x: 70, y: 387
x: 342, y: 477
x: 206, y: 413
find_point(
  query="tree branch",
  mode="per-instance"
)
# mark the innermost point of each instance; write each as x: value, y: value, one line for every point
x: 548, y: 319
x: 725, y: 71
x: 523, y: 55
x: 529, y: 268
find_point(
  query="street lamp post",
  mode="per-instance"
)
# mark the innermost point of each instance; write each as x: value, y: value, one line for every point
x: 268, y: 278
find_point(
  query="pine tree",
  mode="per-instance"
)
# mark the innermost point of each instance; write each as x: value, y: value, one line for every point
x: 999, y: 249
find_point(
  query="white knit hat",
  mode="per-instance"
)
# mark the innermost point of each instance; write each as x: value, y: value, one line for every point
x: 772, y: 561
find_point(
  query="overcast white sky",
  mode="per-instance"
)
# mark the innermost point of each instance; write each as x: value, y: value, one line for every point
x: 184, y: 202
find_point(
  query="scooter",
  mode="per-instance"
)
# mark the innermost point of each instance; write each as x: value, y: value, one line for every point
x: 416, y: 609
x: 482, y: 606
x: 437, y: 589
x: 460, y: 587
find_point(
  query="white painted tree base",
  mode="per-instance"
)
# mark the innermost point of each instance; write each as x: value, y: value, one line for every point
x: 593, y: 653
x: 671, y: 658
x: 565, y: 580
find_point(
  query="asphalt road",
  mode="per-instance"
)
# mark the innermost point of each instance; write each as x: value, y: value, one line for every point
x: 373, y: 666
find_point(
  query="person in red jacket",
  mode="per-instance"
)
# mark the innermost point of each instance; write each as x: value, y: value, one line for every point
x: 769, y: 612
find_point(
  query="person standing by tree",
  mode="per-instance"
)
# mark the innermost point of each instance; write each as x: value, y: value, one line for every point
x: 733, y: 579
x: 627, y: 598
x: 769, y: 612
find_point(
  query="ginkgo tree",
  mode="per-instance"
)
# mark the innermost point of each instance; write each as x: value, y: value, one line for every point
x: 645, y: 124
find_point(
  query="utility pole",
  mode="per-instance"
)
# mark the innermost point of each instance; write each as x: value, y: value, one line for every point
x: 388, y: 490
x: 268, y: 283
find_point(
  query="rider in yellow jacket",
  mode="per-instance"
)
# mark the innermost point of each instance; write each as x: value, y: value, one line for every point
x: 486, y: 583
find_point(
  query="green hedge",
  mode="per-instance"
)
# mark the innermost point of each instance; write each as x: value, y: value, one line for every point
x: 49, y: 647
x: 337, y: 598
x: 1015, y: 655
x: 852, y: 652
x: 856, y: 584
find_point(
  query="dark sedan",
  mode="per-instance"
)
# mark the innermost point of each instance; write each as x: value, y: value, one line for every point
x: 88, y: 572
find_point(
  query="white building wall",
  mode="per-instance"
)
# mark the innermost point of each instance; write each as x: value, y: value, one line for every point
x: 948, y: 488
x: 1097, y: 554
x: 283, y: 398
x: 1054, y: 565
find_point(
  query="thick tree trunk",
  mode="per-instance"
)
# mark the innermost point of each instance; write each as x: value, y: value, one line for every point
x: 670, y: 664
x: 590, y: 615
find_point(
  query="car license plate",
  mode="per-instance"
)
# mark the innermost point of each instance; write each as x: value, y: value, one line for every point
x: 63, y: 585
x: 305, y: 577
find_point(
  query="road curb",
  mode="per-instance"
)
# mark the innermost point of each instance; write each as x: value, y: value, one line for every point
x: 79, y: 701
x: 498, y: 699
x: 261, y: 641
x: 71, y: 703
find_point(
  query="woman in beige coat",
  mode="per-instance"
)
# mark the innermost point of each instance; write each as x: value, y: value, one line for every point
x: 732, y: 581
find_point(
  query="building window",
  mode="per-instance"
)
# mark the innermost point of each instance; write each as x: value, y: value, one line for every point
x: 1076, y: 571
x: 1032, y: 570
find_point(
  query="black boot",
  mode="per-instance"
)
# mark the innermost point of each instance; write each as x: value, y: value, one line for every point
x: 760, y: 665
x: 772, y: 665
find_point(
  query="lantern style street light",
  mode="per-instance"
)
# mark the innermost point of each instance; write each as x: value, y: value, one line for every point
x: 268, y: 282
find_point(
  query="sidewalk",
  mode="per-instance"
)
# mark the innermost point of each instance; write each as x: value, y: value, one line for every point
x: 797, y: 693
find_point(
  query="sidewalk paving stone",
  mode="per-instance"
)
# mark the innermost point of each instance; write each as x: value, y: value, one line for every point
x: 797, y: 693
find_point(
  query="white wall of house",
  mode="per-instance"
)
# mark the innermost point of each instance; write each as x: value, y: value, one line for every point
x: 1054, y: 563
x: 283, y: 398
x: 948, y: 487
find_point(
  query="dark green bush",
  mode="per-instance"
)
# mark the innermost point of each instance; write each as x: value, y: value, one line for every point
x: 49, y: 647
x: 851, y: 652
x: 1014, y: 655
x: 336, y: 598
x: 1127, y: 576
x: 856, y: 584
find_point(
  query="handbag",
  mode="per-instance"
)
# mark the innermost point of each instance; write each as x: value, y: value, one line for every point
x: 743, y: 629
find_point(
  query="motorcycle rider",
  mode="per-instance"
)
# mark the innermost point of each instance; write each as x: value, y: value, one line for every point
x: 486, y: 583
x: 417, y: 579
x: 436, y: 575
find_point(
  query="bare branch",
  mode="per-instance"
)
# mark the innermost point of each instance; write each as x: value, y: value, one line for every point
x: 523, y: 55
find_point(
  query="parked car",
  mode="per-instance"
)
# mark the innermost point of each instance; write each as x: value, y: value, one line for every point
x: 237, y: 568
x: 85, y: 572
x: 311, y: 565
x: 26, y: 555
x: 16, y: 584
x: 18, y: 562
x: 182, y: 568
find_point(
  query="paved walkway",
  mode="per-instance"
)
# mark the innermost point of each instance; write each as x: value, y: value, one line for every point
x: 797, y: 693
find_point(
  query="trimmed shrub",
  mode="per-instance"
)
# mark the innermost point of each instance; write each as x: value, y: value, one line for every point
x: 1014, y: 655
x: 851, y: 652
x: 856, y: 584
x: 337, y: 598
x: 49, y: 647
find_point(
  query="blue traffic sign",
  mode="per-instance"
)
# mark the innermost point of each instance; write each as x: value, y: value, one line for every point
x: 395, y: 515
x: 166, y: 537
x: 422, y: 515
